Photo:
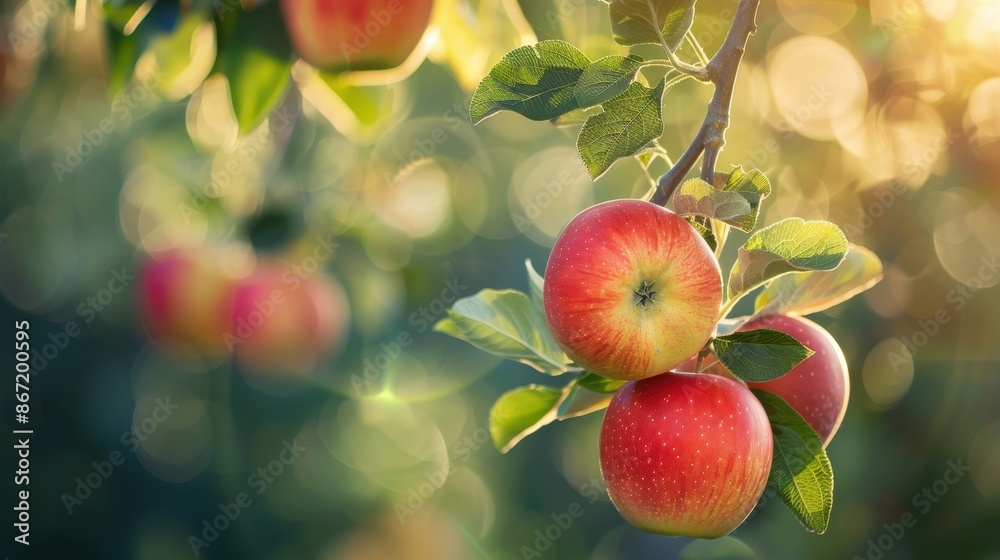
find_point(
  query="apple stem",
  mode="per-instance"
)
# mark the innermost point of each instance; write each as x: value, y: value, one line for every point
x: 711, y: 138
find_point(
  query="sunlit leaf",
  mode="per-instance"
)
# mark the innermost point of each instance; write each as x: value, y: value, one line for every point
x: 520, y: 412
x: 759, y: 355
x: 696, y: 197
x: 606, y: 78
x: 788, y: 246
x: 506, y: 324
x: 645, y: 21
x: 629, y: 123
x: 754, y: 187
x: 810, y: 292
x: 536, y: 81
x: 800, y: 469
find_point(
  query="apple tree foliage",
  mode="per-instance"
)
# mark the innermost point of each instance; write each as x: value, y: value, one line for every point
x: 794, y: 266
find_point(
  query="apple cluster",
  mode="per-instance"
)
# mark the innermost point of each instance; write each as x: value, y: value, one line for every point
x: 633, y: 292
x: 277, y: 319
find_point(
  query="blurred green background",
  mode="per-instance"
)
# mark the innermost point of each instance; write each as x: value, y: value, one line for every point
x: 882, y: 117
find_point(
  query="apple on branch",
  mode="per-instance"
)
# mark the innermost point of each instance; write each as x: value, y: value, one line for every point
x: 685, y: 454
x: 818, y: 388
x: 631, y: 289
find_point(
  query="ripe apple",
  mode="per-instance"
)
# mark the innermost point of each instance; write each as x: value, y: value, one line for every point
x: 285, y: 323
x: 340, y: 35
x: 185, y: 301
x: 685, y: 454
x: 631, y: 289
x: 818, y: 388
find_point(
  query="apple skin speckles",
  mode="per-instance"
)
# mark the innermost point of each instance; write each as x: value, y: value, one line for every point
x: 685, y: 454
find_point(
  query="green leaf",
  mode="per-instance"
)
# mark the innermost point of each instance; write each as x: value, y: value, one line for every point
x: 790, y: 245
x: 800, y: 470
x: 536, y: 284
x: 599, y: 384
x: 537, y: 81
x: 759, y: 355
x: 634, y: 22
x: 754, y: 187
x: 629, y: 123
x: 810, y: 292
x: 520, y: 412
x: 124, y: 53
x: 506, y: 324
x: 606, y: 78
x: 258, y: 64
x: 697, y: 197
x: 575, y: 117
x: 582, y: 401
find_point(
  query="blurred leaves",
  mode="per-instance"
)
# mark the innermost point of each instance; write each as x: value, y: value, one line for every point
x: 790, y: 245
x: 810, y: 292
x: 759, y: 355
x: 506, y: 324
x: 800, y: 470
x: 257, y: 62
x: 648, y: 21
x: 536, y: 81
x: 629, y: 123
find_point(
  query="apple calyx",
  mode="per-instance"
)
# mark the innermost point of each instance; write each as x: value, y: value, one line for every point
x: 645, y: 294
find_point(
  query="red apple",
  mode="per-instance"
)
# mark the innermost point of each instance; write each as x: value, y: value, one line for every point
x: 631, y: 289
x: 185, y: 301
x: 817, y: 388
x: 284, y: 322
x: 339, y: 35
x: 685, y: 454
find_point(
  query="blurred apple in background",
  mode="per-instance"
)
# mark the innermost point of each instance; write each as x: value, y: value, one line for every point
x: 186, y: 301
x: 338, y: 35
x: 285, y: 322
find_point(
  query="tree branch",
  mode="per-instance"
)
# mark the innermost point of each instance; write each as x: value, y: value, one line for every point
x: 711, y: 138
